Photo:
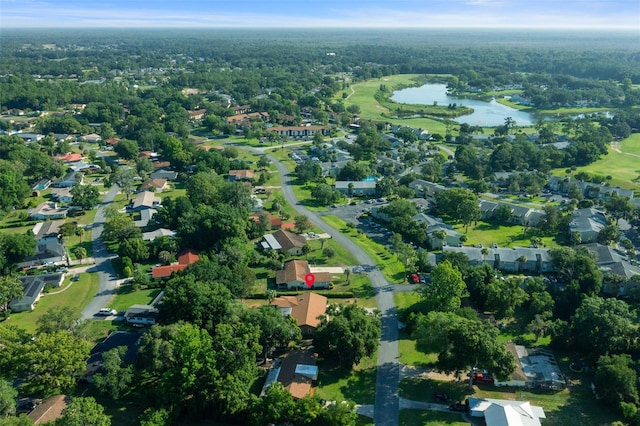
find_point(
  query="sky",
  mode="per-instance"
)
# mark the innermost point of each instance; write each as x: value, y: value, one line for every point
x: 564, y: 14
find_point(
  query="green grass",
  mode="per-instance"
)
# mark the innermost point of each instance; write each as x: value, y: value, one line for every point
x: 430, y: 418
x: 386, y: 261
x: 504, y: 236
x: 622, y: 167
x: 77, y: 296
x: 418, y: 389
x: 410, y: 355
x: 357, y: 385
x: 343, y: 257
x: 126, y: 296
x: 362, y: 94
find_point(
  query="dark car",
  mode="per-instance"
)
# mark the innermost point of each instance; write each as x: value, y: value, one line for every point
x: 442, y: 397
x: 459, y: 406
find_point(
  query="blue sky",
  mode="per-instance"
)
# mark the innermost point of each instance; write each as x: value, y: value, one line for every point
x: 584, y: 14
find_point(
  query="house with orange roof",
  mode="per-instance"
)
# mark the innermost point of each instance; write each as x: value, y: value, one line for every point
x: 293, y: 273
x: 274, y: 222
x: 296, y: 371
x: 185, y: 259
x: 241, y: 175
x: 284, y: 242
x: 69, y: 157
x: 306, y: 309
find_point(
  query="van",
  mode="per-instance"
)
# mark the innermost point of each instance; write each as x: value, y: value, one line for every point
x: 107, y: 311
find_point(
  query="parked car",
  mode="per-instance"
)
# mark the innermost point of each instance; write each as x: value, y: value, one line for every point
x: 482, y: 377
x: 415, y: 279
x: 107, y: 312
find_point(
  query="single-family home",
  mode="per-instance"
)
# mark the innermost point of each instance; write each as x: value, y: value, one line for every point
x: 49, y: 410
x: 143, y: 201
x: 48, y: 210
x: 198, y: 114
x: 501, y: 412
x: 274, y: 222
x: 185, y: 258
x: 92, y: 138
x: 29, y: 137
x: 160, y: 232
x: 293, y: 273
x: 62, y: 195
x: 169, y: 175
x: 42, y: 184
x: 63, y: 137
x: 587, y: 222
x: 305, y: 308
x: 141, y: 314
x: 297, y: 371
x: 153, y: 185
x: 145, y: 217
x: 72, y: 178
x: 241, y: 175
x: 284, y: 242
x: 258, y: 204
x: 32, y: 286
x: 45, y: 232
x: 356, y: 188
x: 50, y: 252
x: 69, y: 157
x: 535, y: 369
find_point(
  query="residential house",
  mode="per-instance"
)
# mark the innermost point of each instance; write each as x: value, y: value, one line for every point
x: 535, y: 369
x: 161, y: 232
x: 242, y: 119
x: 611, y: 261
x: 514, y: 259
x: 169, y: 175
x: 258, y: 204
x: 153, y: 185
x: 426, y: 189
x: 49, y: 410
x: 45, y: 232
x: 185, y: 259
x: 83, y: 166
x: 32, y: 286
x: 72, y: 178
x: 141, y: 314
x: 49, y: 252
x: 115, y: 339
x: 241, y: 109
x: 241, y: 175
x: 587, y: 222
x: 92, y: 138
x: 69, y: 157
x: 305, y: 308
x: 274, y: 222
x: 42, y: 184
x: 144, y: 200
x: 29, y: 137
x: 198, y: 114
x: 63, y: 137
x: 487, y: 209
x: 356, y: 188
x: 299, y: 132
x: 500, y: 412
x: 451, y: 237
x: 293, y: 273
x: 284, y: 242
x: 48, y: 210
x: 145, y: 217
x: 62, y: 195
x: 297, y: 371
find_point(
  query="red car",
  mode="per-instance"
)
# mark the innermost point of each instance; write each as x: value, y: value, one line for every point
x: 415, y: 279
x: 483, y: 378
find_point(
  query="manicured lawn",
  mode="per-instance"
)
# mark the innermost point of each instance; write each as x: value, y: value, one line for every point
x: 343, y: 257
x: 622, y: 167
x: 424, y: 390
x: 362, y: 94
x: 363, y: 292
x: 357, y: 385
x: 410, y: 355
x: 385, y: 260
x: 126, y: 297
x: 430, y: 418
x: 504, y: 236
x: 77, y: 295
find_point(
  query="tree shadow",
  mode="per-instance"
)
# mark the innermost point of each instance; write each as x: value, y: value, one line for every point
x: 355, y: 385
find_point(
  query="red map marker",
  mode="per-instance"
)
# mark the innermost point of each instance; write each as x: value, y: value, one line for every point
x: 309, y: 279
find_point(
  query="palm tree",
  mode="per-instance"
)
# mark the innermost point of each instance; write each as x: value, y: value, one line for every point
x: 80, y: 253
x: 484, y: 252
x: 521, y: 261
x: 165, y: 257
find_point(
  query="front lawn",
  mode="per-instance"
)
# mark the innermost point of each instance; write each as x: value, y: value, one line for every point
x: 127, y: 296
x: 504, y: 236
x: 75, y: 295
x: 430, y: 418
x: 357, y: 385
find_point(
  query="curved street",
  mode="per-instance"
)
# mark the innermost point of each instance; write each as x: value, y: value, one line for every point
x: 108, y: 277
x: 387, y: 404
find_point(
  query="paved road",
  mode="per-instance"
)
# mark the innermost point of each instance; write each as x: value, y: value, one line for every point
x: 108, y: 278
x: 387, y: 405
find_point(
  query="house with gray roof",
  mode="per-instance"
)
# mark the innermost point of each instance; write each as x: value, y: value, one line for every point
x: 508, y: 259
x: 144, y: 201
x: 426, y: 189
x: 356, y: 188
x: 611, y: 261
x: 435, y: 232
x: 169, y: 175
x: 32, y: 287
x: 588, y: 222
x: 487, y: 209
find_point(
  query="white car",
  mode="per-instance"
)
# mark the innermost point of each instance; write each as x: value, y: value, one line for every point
x: 107, y: 311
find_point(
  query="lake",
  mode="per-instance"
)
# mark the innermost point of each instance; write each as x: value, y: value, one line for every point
x: 486, y: 114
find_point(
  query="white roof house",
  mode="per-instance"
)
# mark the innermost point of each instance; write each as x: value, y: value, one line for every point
x: 501, y: 412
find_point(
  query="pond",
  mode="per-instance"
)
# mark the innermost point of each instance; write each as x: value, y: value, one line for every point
x: 486, y: 114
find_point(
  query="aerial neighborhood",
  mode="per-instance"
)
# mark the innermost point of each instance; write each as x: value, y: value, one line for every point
x: 203, y: 236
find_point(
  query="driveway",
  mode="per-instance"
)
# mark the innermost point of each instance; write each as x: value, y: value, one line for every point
x: 387, y: 405
x: 108, y: 278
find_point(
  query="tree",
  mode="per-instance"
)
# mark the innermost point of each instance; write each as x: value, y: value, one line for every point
x: 301, y: 223
x: 83, y: 412
x: 616, y: 379
x: 127, y: 149
x: 59, y: 318
x: 329, y: 252
x: 609, y: 234
x: 15, y: 247
x: 618, y: 207
x: 80, y: 253
x: 119, y: 228
x: 134, y: 248
x: 85, y: 196
x: 462, y: 343
x: 118, y: 375
x: 308, y: 171
x: 13, y: 186
x: 155, y: 417
x: 350, y: 335
x: 263, y: 162
x: 125, y: 179
x: 10, y: 288
x: 469, y: 211
x: 444, y: 292
x: 54, y: 361
x: 325, y: 194
x: 8, y: 397
x: 164, y: 257
x: 276, y: 331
